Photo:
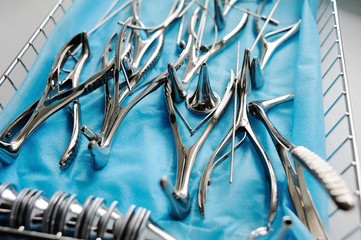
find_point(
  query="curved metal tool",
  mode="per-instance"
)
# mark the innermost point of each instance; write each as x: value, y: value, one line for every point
x: 175, y: 11
x: 227, y: 6
x: 243, y: 125
x: 12, y: 138
x: 178, y: 196
x: 128, y: 63
x: 297, y: 187
x: 195, y: 62
x: 268, y: 47
x: 179, y: 89
x: 319, y: 168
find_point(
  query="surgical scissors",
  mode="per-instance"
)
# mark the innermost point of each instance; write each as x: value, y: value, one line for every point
x: 242, y: 125
x: 128, y: 64
x: 268, y: 48
x: 18, y: 130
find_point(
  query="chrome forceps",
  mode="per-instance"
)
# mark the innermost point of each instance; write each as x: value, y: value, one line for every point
x: 297, y: 187
x: 242, y: 125
x: 17, y: 132
x: 127, y: 62
x: 268, y: 47
x: 195, y: 62
x: 178, y: 196
x: 319, y: 168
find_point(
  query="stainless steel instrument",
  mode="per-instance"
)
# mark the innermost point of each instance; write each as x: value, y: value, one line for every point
x: 28, y: 213
x: 319, y: 168
x: 195, y: 62
x: 203, y: 100
x: 178, y: 196
x: 127, y: 63
x: 242, y: 125
x: 268, y: 48
x: 296, y: 181
x: 12, y: 138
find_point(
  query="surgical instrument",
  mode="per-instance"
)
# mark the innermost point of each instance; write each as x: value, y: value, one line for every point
x: 268, y: 47
x: 243, y: 125
x: 51, y: 104
x: 301, y: 198
x: 319, y: 168
x: 195, y: 62
x: 231, y: 3
x: 180, y: 87
x: 18, y: 130
x: 108, y: 14
x: 128, y: 64
x: 191, y: 28
x: 244, y: 85
x: 35, y: 114
x: 234, y: 115
x: 203, y: 100
x: 219, y: 15
x: 227, y: 6
x: 178, y: 196
x: 63, y: 215
x: 287, y: 224
x: 297, y: 187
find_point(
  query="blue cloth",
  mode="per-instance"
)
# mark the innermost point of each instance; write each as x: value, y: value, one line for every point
x: 143, y: 149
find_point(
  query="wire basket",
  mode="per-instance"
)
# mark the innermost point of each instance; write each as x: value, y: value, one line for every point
x: 340, y: 137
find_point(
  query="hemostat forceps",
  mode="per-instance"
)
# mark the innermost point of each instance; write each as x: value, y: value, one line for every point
x: 195, y: 62
x: 186, y: 156
x: 297, y: 187
x: 127, y: 63
x: 243, y: 125
x: 269, y: 47
x: 319, y: 168
x: 16, y: 133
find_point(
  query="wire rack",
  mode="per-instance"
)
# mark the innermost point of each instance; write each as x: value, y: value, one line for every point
x: 20, y: 66
x: 340, y: 137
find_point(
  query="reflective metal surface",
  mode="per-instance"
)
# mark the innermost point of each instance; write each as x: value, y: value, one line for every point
x: 320, y: 169
x: 62, y: 215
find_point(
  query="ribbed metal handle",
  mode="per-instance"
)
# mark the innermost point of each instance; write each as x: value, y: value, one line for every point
x: 323, y: 171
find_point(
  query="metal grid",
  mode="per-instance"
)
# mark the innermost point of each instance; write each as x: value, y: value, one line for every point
x: 340, y: 135
x: 19, y: 68
x: 340, y: 138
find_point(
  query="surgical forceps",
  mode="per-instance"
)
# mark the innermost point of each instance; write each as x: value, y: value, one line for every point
x: 319, y: 168
x: 297, y: 187
x: 195, y: 62
x: 242, y: 125
x: 268, y: 47
x: 99, y: 143
x: 17, y: 132
x: 178, y: 196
